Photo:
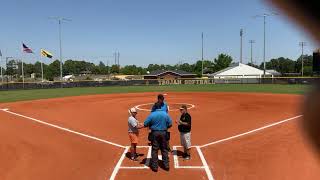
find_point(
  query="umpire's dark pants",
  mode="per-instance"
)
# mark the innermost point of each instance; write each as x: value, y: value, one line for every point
x: 159, y: 142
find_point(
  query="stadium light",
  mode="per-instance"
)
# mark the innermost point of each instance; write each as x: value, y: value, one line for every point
x: 202, y: 54
x: 264, y: 15
x: 241, y: 34
x: 60, y: 21
x: 302, y: 44
x: 251, y: 42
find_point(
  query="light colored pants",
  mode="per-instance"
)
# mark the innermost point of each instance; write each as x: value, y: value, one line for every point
x: 185, y: 139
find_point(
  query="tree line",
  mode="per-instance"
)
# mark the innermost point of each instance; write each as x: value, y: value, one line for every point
x: 76, y: 67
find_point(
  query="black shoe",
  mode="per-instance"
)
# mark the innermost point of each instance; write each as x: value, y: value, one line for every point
x: 138, y: 154
x: 166, y: 168
x: 154, y: 169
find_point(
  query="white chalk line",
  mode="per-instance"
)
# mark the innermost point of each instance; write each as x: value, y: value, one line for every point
x: 117, y: 167
x: 205, y: 164
x: 175, y: 157
x: 142, y: 109
x: 250, y: 132
x: 63, y: 129
x: 133, y: 167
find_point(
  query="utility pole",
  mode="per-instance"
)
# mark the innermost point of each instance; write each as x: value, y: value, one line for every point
x: 251, y: 42
x: 202, y: 54
x: 302, y: 44
x: 7, y: 71
x: 264, y: 15
x: 60, y: 21
x: 1, y: 67
x: 119, y: 60
x: 241, y: 34
x: 108, y: 67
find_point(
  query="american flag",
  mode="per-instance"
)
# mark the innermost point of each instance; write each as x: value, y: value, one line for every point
x: 26, y: 49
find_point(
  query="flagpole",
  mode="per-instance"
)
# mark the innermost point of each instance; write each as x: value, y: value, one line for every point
x: 41, y: 69
x: 1, y: 69
x: 22, y: 73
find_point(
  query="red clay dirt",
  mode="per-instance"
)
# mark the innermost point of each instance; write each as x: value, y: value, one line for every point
x: 30, y: 150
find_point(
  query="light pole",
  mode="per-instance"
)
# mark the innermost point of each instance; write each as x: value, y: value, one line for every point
x: 251, y: 42
x: 201, y: 54
x: 302, y: 44
x: 7, y: 71
x: 264, y: 15
x: 241, y: 34
x: 1, y: 68
x: 60, y: 20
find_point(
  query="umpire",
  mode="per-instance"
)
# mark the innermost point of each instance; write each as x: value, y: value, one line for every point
x: 159, y: 121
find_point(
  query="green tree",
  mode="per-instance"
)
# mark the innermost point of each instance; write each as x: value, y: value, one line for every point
x: 53, y: 70
x: 153, y: 67
x: 253, y: 65
x: 115, y: 69
x: 307, y: 61
x: 29, y: 69
x: 103, y: 69
x: 307, y: 70
x: 221, y: 62
x: 12, y: 68
x: 185, y: 67
x: 37, y: 68
x: 281, y: 64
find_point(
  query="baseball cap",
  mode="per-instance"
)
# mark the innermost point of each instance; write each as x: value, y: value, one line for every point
x: 160, y: 96
x: 133, y: 110
x: 183, y: 107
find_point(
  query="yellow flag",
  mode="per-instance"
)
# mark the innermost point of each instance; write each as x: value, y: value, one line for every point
x: 45, y: 53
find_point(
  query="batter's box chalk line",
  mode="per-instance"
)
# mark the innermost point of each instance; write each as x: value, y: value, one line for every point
x: 175, y: 159
x: 140, y: 106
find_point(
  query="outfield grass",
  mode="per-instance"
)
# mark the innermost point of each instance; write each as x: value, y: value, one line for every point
x: 21, y: 95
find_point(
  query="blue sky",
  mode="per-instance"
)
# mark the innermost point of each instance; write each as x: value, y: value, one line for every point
x: 146, y: 31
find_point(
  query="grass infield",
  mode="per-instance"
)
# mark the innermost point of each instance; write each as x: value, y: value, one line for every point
x: 22, y: 95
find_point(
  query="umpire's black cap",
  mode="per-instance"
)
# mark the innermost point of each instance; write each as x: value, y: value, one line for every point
x: 160, y: 96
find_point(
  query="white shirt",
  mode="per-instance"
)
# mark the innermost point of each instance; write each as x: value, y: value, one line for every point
x: 132, y: 124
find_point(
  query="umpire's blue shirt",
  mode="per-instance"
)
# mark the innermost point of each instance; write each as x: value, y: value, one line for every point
x: 158, y: 121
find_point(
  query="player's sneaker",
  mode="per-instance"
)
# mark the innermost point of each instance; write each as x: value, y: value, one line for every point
x: 187, y: 157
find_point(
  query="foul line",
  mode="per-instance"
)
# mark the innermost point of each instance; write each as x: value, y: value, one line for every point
x: 116, y: 169
x: 64, y: 129
x: 249, y: 132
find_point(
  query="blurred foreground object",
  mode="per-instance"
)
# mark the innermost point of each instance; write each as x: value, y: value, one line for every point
x: 307, y: 15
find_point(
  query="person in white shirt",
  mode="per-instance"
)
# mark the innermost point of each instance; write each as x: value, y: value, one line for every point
x: 133, y: 131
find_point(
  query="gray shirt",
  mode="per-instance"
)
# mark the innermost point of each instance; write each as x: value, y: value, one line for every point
x: 132, y: 124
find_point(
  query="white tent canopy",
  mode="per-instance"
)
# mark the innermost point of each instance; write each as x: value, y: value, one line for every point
x: 239, y: 70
